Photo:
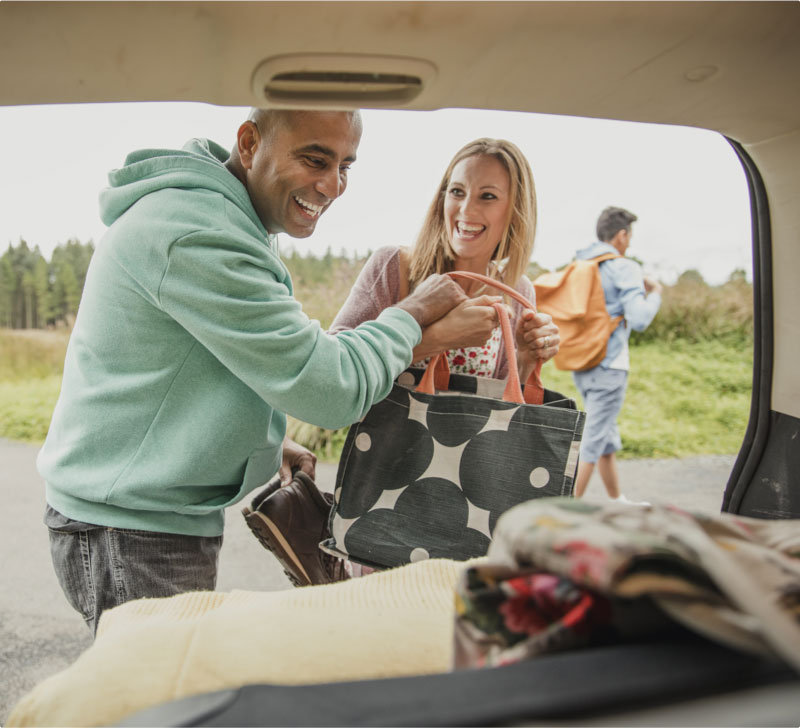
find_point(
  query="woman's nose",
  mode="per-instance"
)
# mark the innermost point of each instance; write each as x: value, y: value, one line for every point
x: 468, y: 203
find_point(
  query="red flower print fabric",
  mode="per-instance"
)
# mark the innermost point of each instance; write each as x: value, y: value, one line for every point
x: 563, y: 573
x: 478, y: 360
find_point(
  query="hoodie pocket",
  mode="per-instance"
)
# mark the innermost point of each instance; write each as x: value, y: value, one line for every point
x: 261, y: 466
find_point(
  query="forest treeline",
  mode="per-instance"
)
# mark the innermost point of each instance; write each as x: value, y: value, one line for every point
x: 39, y: 294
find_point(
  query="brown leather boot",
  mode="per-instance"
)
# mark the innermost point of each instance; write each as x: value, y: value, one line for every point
x: 290, y: 522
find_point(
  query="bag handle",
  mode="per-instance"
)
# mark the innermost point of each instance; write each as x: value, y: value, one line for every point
x: 437, y: 373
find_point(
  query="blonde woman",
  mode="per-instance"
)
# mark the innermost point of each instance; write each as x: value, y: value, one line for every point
x: 482, y: 219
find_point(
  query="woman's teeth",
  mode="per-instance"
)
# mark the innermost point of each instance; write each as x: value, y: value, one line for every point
x: 469, y: 229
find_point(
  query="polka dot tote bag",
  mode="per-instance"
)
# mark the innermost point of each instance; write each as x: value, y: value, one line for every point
x: 429, y: 470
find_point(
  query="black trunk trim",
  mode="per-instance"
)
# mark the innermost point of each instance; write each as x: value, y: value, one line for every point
x: 757, y: 435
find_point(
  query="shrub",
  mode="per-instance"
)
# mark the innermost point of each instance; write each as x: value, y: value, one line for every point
x: 693, y: 311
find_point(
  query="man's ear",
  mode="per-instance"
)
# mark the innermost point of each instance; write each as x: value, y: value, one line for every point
x: 247, y: 141
x: 619, y: 238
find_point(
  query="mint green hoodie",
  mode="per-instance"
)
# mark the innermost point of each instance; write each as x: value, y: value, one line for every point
x: 188, y: 348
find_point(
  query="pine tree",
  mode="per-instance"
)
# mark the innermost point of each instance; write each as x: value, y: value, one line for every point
x: 44, y: 296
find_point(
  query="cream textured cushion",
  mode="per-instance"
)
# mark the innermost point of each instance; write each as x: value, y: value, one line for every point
x: 387, y: 624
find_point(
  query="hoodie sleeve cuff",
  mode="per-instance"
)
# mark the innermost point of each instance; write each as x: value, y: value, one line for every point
x: 402, y: 322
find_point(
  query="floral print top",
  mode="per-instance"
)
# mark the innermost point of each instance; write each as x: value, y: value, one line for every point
x: 378, y: 287
x: 478, y: 360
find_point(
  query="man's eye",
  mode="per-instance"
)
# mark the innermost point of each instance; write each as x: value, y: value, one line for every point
x: 315, y: 162
x: 344, y: 170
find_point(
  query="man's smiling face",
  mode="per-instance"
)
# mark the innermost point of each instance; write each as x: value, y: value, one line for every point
x: 298, y: 167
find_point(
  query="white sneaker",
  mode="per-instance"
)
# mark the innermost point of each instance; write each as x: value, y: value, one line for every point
x: 623, y: 499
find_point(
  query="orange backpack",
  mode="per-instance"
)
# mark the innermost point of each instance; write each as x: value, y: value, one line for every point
x: 574, y: 298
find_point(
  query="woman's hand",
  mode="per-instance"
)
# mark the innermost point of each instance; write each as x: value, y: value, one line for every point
x: 469, y: 324
x: 296, y: 457
x: 537, y: 339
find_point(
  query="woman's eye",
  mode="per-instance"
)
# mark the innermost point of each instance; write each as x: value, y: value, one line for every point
x: 489, y: 196
x: 456, y: 192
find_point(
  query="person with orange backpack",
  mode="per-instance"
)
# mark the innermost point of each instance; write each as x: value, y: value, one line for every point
x: 636, y: 298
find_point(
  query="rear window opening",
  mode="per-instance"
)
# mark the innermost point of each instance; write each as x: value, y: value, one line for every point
x: 692, y: 369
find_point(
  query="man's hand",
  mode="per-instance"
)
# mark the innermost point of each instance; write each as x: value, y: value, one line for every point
x: 469, y: 324
x: 651, y: 285
x: 296, y: 457
x: 434, y: 297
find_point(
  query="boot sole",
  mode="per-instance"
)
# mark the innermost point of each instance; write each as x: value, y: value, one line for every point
x: 273, y: 540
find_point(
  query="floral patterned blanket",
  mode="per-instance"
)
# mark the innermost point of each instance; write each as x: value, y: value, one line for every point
x: 563, y: 573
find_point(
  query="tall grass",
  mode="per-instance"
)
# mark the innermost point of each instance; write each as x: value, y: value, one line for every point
x: 31, y: 363
x: 323, y: 290
x: 31, y: 353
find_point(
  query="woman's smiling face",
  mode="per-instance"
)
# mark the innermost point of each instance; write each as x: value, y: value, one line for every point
x: 476, y: 207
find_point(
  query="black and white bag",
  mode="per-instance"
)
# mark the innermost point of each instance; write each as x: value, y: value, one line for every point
x: 429, y: 470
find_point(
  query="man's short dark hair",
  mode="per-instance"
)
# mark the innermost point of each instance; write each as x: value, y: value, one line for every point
x: 612, y: 220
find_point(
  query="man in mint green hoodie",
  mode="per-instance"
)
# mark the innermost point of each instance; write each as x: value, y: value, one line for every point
x: 189, y: 348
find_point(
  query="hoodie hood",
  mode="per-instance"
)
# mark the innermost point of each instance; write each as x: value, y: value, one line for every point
x: 201, y: 164
x: 595, y: 249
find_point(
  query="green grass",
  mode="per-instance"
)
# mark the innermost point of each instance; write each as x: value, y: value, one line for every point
x: 683, y: 398
x: 26, y: 407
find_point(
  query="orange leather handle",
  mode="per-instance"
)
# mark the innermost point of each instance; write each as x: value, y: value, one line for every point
x: 499, y: 285
x: 437, y: 373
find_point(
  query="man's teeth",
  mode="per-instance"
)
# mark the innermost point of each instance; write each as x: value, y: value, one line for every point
x: 309, y: 207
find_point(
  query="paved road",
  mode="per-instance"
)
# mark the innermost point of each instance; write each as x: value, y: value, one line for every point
x: 40, y: 634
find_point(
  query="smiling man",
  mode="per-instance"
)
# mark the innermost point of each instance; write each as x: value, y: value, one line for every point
x: 294, y: 165
x: 189, y: 349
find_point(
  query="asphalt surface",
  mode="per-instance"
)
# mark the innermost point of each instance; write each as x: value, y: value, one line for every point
x: 40, y: 634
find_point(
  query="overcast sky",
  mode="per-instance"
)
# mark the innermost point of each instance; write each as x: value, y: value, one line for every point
x: 686, y: 185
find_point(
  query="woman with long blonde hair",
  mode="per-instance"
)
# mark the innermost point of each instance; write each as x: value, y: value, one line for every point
x: 482, y: 219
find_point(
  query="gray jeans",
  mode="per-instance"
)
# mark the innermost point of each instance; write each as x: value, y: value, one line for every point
x: 99, y: 567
